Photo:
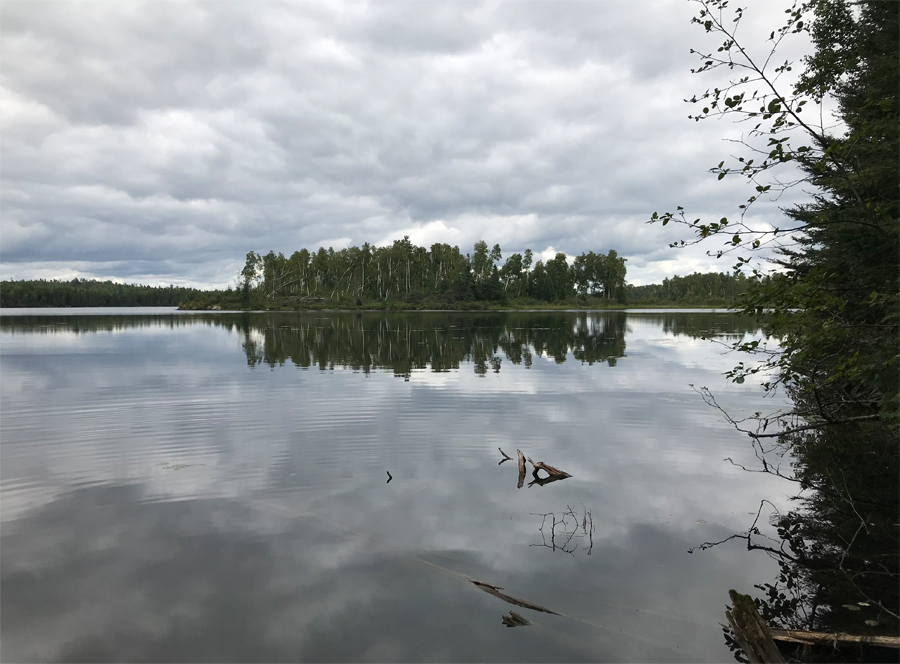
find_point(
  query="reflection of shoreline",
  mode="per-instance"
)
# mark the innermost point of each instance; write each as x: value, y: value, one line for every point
x: 440, y: 342
x: 407, y: 341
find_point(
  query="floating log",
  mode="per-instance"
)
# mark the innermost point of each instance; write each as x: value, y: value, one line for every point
x: 491, y: 589
x: 825, y: 638
x: 521, y: 469
x: 515, y: 620
x: 506, y: 457
x: 550, y: 470
x: 751, y: 631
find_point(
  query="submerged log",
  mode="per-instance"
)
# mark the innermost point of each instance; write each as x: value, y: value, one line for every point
x: 491, y: 589
x: 751, y: 631
x: 825, y: 638
x: 550, y: 470
x: 521, y: 469
x: 757, y: 639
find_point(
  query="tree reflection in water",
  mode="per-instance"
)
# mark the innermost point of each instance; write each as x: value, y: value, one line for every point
x: 838, y: 550
x: 405, y: 343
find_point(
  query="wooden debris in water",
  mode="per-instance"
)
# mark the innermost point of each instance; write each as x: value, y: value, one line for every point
x: 521, y: 461
x: 495, y: 591
x: 757, y: 639
x: 515, y: 620
x: 751, y: 631
x: 552, y: 471
x: 390, y: 477
x: 506, y: 457
x: 825, y: 638
x: 521, y: 468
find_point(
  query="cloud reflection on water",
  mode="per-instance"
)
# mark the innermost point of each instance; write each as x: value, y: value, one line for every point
x: 276, y: 538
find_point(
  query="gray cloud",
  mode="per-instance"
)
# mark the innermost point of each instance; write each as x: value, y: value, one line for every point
x: 163, y: 142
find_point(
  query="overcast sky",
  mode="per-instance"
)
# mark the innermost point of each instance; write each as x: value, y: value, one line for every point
x: 160, y: 142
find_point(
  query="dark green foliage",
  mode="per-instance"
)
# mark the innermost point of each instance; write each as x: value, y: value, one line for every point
x: 403, y: 275
x: 714, y: 288
x: 833, y: 303
x: 91, y: 293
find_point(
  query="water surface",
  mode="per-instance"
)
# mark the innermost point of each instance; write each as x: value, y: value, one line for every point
x: 213, y: 487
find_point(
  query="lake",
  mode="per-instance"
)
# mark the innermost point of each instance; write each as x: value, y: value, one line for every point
x: 214, y: 487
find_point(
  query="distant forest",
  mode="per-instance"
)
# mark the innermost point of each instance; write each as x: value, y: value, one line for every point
x: 399, y: 276
x: 441, y: 276
x: 405, y: 276
x: 91, y: 293
x: 697, y: 288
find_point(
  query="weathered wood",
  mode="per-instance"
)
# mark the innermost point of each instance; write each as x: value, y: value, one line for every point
x: 506, y: 457
x: 521, y: 469
x: 495, y: 591
x: 390, y: 477
x: 550, y: 470
x: 751, y: 631
x: 825, y: 638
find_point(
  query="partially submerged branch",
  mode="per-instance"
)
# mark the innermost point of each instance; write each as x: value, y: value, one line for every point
x: 550, y: 470
x: 495, y: 591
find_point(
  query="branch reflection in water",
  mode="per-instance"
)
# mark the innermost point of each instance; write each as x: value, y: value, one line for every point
x: 567, y: 532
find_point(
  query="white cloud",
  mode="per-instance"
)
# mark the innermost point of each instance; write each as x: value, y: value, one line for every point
x: 177, y: 137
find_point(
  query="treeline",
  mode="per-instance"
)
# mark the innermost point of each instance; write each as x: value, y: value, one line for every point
x: 399, y: 276
x: 697, y: 288
x: 404, y: 272
x: 91, y: 293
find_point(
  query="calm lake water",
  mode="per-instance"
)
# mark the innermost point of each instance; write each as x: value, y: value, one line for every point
x: 213, y: 487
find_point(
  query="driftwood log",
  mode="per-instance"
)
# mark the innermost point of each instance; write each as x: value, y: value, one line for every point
x: 751, y: 631
x: 825, y: 638
x: 491, y: 589
x: 506, y: 457
x: 757, y: 639
x: 550, y: 470
x: 521, y: 468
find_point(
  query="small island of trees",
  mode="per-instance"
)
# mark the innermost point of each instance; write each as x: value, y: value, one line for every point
x: 405, y: 276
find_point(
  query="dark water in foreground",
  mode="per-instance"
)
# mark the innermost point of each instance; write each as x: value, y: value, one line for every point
x: 212, y: 487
